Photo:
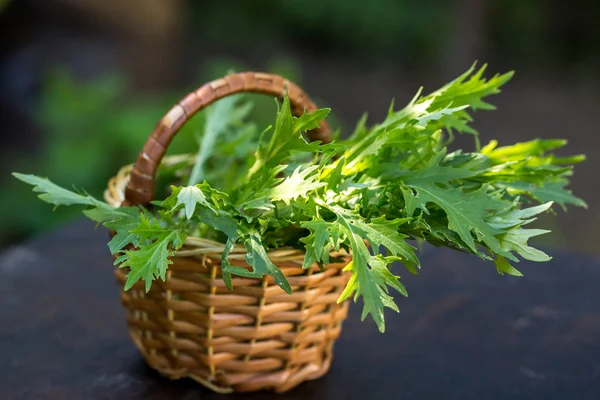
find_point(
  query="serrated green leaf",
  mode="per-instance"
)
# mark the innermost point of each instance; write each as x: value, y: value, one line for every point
x: 299, y: 184
x: 379, y: 265
x: 467, y: 212
x: 315, y: 243
x: 151, y: 260
x: 504, y: 267
x: 370, y: 276
x: 226, y: 266
x: 382, y: 232
x: 258, y: 259
x: 155, y: 244
x: 54, y: 194
x: 123, y: 236
x: 522, y: 150
x: 188, y: 197
x: 363, y: 283
x: 103, y: 213
x: 516, y: 240
x: 220, y: 221
x: 516, y: 217
x: 550, y: 191
x: 287, y: 137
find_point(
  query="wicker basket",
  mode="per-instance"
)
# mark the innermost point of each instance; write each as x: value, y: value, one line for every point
x: 251, y: 338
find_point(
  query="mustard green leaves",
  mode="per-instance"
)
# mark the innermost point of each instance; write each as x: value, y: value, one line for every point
x: 374, y: 193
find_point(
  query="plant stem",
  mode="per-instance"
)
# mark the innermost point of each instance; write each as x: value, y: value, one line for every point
x: 219, y: 117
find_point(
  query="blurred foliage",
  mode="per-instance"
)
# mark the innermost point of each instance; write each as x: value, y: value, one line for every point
x: 92, y: 128
x: 89, y: 129
x: 3, y: 4
x: 417, y: 33
x: 334, y: 26
x: 541, y: 31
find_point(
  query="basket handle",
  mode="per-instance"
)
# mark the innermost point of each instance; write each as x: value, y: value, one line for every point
x: 141, y: 185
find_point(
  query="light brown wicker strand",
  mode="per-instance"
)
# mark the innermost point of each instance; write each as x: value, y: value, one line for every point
x: 259, y: 317
x: 137, y: 314
x: 147, y: 331
x: 140, y: 188
x: 332, y: 309
x: 211, y: 311
x: 171, y: 318
x: 296, y: 346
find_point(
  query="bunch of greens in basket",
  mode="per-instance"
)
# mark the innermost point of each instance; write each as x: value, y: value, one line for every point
x: 372, y: 193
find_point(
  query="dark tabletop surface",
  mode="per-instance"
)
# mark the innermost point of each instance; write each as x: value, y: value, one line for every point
x: 464, y: 332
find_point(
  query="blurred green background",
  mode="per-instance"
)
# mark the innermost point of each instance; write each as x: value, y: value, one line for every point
x: 84, y: 82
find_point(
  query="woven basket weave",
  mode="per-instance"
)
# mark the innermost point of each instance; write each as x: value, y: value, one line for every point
x: 251, y: 338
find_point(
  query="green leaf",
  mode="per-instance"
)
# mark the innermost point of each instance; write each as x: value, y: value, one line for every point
x: 258, y: 259
x: 362, y: 283
x: 417, y: 126
x: 520, y: 151
x: 221, y: 221
x: 369, y: 278
x: 470, y: 89
x: 104, y: 213
x: 123, y: 236
x: 467, y: 212
x: 307, y: 122
x: 379, y: 265
x: 189, y: 197
x: 299, y: 184
x: 551, y: 191
x: 151, y: 259
x: 287, y: 137
x: 221, y: 117
x: 504, y: 267
x: 226, y: 266
x: 370, y: 275
x: 382, y: 232
x: 54, y: 194
x: 516, y: 240
x: 315, y: 243
x: 516, y: 216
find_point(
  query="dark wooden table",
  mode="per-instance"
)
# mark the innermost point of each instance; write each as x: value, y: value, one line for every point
x: 464, y: 333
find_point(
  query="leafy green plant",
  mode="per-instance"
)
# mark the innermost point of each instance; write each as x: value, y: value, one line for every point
x: 371, y: 194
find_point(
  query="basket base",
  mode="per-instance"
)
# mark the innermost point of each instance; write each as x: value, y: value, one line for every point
x: 253, y: 337
x: 279, y: 383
